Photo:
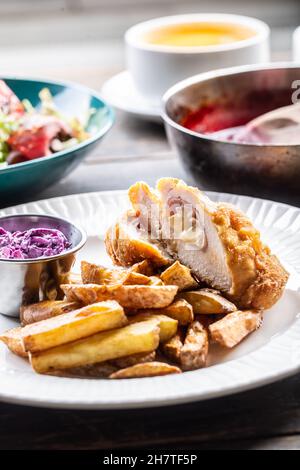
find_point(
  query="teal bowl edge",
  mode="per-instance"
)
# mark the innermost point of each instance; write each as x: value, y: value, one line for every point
x: 85, y: 144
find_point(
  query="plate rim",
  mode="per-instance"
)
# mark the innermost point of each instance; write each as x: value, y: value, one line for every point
x: 280, y: 372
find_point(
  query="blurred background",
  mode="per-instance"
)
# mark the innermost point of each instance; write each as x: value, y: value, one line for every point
x: 82, y: 41
x: 58, y: 37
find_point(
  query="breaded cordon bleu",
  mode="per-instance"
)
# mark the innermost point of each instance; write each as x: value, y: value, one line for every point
x: 216, y: 241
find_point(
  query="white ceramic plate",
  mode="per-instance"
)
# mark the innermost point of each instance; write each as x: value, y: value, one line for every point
x: 120, y: 92
x: 269, y: 354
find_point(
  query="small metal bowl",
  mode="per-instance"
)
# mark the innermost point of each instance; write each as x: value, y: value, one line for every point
x: 23, y: 282
x: 269, y: 171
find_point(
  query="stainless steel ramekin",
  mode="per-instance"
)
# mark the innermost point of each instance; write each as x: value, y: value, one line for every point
x: 23, y: 282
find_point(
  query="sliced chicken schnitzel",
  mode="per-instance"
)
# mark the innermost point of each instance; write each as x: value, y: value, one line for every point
x: 216, y: 241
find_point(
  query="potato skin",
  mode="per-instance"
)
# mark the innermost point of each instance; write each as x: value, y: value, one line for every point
x: 146, y: 369
x: 233, y: 328
x: 189, y: 350
x: 47, y: 309
x: 179, y: 310
x: 207, y: 301
x: 128, y: 361
x: 179, y: 275
x: 195, y: 347
x: 136, y: 296
x: 97, y: 274
x: 14, y: 341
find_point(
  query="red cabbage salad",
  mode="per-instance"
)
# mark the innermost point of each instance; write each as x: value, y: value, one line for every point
x: 32, y: 244
x: 27, y: 133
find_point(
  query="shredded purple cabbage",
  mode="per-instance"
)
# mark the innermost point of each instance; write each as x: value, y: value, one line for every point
x: 32, y: 244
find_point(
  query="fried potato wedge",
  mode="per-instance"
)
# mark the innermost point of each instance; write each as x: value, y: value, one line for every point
x: 97, y: 274
x: 94, y: 371
x: 143, y: 267
x: 128, y: 361
x: 232, y: 329
x: 14, y: 341
x: 44, y: 310
x: 156, y: 281
x: 72, y: 326
x: 189, y: 352
x: 132, y: 279
x: 206, y: 301
x: 172, y: 348
x: 180, y: 310
x: 179, y: 275
x: 147, y: 369
x: 140, y: 337
x: 105, y: 369
x: 167, y: 325
x: 195, y: 348
x: 136, y: 297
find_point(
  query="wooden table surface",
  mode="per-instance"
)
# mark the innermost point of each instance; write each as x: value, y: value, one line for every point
x: 266, y: 418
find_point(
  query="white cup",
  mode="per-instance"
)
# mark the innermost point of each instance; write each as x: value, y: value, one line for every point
x: 296, y: 45
x: 154, y: 68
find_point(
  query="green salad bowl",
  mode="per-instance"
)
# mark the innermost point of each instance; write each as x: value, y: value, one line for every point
x: 72, y: 100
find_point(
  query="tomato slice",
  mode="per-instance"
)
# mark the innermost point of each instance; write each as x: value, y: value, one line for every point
x: 34, y: 143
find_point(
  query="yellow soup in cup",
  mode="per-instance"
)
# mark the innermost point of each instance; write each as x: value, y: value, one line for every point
x: 198, y: 34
